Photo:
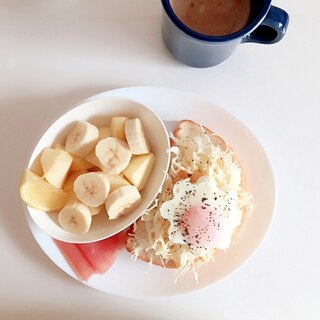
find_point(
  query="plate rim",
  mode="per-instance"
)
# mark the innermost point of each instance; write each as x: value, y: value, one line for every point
x: 126, y: 91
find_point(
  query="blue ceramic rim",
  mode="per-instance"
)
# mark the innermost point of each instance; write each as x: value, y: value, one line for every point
x: 233, y: 36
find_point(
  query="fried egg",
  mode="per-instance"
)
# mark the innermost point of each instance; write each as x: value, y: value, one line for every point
x: 201, y: 215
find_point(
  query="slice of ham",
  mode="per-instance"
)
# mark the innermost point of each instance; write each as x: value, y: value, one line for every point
x: 189, y: 128
x: 87, y: 259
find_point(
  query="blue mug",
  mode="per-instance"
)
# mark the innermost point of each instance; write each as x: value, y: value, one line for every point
x: 267, y: 24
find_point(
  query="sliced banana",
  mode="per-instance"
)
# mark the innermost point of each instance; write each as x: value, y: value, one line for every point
x: 58, y: 146
x: 121, y: 201
x: 75, y: 217
x: 117, y: 127
x: 104, y: 132
x: 96, y: 210
x: 136, y: 137
x: 68, y: 185
x: 92, y: 158
x: 82, y: 138
x: 113, y: 154
x: 92, y: 188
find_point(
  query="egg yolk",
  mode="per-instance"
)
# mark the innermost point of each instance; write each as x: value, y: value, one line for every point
x: 199, y: 226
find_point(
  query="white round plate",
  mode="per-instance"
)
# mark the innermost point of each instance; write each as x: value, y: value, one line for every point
x: 134, y: 279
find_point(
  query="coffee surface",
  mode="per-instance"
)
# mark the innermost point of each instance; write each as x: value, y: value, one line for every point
x: 213, y: 17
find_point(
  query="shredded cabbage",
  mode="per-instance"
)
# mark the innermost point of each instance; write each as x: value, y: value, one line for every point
x: 193, y: 155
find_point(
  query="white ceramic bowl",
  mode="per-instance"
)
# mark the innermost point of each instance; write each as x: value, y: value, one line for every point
x: 99, y: 113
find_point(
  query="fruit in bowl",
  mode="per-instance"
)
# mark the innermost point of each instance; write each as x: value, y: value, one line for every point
x: 95, y: 170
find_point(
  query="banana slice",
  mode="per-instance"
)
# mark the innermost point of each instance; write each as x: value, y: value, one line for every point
x: 136, y: 137
x: 92, y: 188
x: 104, y: 132
x: 96, y: 210
x: 117, y: 127
x: 82, y: 138
x: 58, y: 146
x: 68, y: 185
x: 92, y: 158
x: 113, y: 154
x: 75, y: 217
x: 121, y: 201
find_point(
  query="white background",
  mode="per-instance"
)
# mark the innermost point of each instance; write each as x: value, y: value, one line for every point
x: 56, y: 53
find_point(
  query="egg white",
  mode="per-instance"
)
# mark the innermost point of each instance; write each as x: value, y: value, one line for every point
x: 204, y: 193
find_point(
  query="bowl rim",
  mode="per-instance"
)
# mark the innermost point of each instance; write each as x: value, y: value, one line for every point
x: 93, y: 99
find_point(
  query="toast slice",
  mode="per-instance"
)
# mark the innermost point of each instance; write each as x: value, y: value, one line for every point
x: 185, y: 128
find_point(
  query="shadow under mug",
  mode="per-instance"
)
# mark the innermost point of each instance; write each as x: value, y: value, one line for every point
x: 267, y: 25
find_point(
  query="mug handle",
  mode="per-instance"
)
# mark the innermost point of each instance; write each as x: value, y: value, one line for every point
x: 272, y: 29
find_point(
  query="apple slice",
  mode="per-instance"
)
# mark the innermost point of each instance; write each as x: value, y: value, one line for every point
x: 80, y: 164
x: 139, y: 169
x: 68, y: 185
x: 37, y: 193
x: 56, y: 164
x: 116, y: 181
x: 77, y: 163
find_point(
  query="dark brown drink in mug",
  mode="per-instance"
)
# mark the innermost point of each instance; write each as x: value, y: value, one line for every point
x: 213, y: 17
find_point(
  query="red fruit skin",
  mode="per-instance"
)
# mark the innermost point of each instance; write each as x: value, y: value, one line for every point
x: 95, y: 257
x: 77, y: 261
x: 102, y: 254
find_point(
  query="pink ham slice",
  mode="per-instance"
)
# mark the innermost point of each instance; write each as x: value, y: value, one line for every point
x: 95, y: 257
x: 77, y: 261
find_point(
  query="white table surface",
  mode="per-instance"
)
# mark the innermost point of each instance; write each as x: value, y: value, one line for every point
x: 56, y: 53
